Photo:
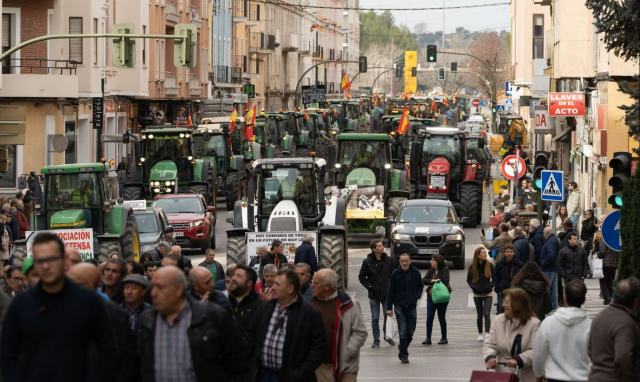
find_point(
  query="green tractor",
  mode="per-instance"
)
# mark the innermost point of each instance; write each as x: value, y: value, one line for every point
x: 77, y: 196
x: 277, y: 134
x: 166, y: 165
x: 347, y: 114
x: 306, y: 131
x: 373, y: 189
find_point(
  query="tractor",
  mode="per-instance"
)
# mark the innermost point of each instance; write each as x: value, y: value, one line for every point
x: 396, y: 106
x: 309, y: 137
x: 364, y: 175
x: 288, y: 195
x: 166, y: 165
x: 77, y: 196
x: 277, y: 133
x: 347, y: 114
x: 440, y: 170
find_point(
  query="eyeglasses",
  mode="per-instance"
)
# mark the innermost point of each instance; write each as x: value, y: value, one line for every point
x: 49, y: 260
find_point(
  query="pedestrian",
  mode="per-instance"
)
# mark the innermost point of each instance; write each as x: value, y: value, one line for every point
x: 71, y: 258
x: 274, y: 256
x: 512, y: 336
x: 497, y: 200
x: 439, y: 272
x: 536, y: 238
x: 264, y: 287
x: 609, y: 258
x: 65, y: 322
x: 549, y: 263
x: 223, y: 285
x: 31, y: 278
x: 177, y: 250
x: 344, y: 328
x: 173, y: 260
x: 573, y: 262
x: 567, y: 227
x: 255, y: 260
x: 574, y: 203
x: 374, y: 275
x: 113, y: 274
x: 201, y: 288
x: 23, y: 222
x: 614, y: 344
x: 287, y: 340
x: 244, y: 301
x: 562, y: 216
x: 145, y: 258
x: 150, y: 268
x: 532, y: 280
x: 305, y: 253
x: 181, y: 339
x: 569, y: 328
x: 304, y: 273
x: 504, y: 272
x: 501, y: 242
x: 480, y: 280
x: 405, y: 290
x: 14, y: 278
x: 588, y: 230
x: 122, y: 166
x: 524, y: 250
x: 12, y: 222
x: 5, y: 241
x: 159, y: 252
x: 135, y: 287
x: 212, y: 265
x: 495, y: 220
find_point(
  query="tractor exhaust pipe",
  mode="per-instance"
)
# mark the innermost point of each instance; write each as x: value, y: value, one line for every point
x: 251, y: 190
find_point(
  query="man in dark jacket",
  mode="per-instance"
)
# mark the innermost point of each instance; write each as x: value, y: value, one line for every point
x: 216, y: 269
x: 504, y: 272
x: 287, y: 339
x: 304, y: 274
x: 572, y: 260
x: 274, y: 256
x: 374, y: 275
x: 549, y: 263
x: 201, y: 288
x: 588, y: 230
x: 536, y: 238
x: 245, y: 302
x: 609, y: 258
x: 184, y: 339
x: 305, y: 253
x: 405, y: 290
x: 524, y: 250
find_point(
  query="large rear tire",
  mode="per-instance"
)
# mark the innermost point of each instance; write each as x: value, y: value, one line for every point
x: 108, y: 249
x: 332, y: 257
x: 19, y: 255
x: 479, y: 207
x: 132, y: 193
x: 236, y: 250
x: 199, y: 189
x: 130, y: 241
x: 394, y: 206
x: 468, y: 204
x: 302, y: 152
x: 231, y: 192
x: 413, y: 191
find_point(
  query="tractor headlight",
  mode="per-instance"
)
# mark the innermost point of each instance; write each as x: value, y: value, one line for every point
x: 387, y: 166
x: 196, y: 223
x: 157, y: 190
x: 142, y: 159
x: 143, y: 136
x: 150, y: 136
x: 401, y: 236
x: 168, y: 183
x: 181, y: 135
x: 173, y: 183
x: 167, y: 190
x: 187, y: 135
x: 190, y: 157
x: 338, y: 165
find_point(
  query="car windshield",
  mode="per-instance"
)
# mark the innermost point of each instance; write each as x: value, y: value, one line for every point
x: 179, y: 205
x: 73, y: 191
x: 445, y: 146
x: 147, y: 223
x: 371, y: 154
x: 428, y: 214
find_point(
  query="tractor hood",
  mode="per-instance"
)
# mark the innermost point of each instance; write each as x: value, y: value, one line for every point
x: 68, y: 219
x: 361, y: 177
x: 439, y: 165
x: 164, y: 170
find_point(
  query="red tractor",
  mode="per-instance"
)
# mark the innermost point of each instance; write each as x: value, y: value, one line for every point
x: 440, y: 170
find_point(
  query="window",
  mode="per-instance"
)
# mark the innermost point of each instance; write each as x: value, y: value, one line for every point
x: 144, y: 46
x: 75, y: 44
x: 70, y: 132
x: 8, y: 179
x: 6, y: 41
x: 538, y: 36
x: 95, y: 42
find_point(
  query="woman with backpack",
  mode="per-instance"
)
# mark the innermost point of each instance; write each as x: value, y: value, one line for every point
x: 479, y: 278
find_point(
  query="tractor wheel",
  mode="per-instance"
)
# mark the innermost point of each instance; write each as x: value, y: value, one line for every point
x: 199, y: 189
x: 468, y: 204
x: 236, y: 250
x: 414, y: 191
x: 302, y: 152
x: 130, y: 241
x: 479, y: 207
x: 394, y: 206
x: 231, y: 192
x: 132, y: 193
x: 108, y: 249
x: 322, y: 151
x: 19, y: 255
x: 277, y: 152
x: 332, y: 256
x: 405, y: 183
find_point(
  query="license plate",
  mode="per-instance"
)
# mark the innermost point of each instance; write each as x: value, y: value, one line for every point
x: 428, y: 251
x: 437, y: 181
x: 178, y: 234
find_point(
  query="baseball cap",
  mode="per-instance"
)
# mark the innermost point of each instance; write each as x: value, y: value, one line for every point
x: 137, y: 279
x: 26, y: 265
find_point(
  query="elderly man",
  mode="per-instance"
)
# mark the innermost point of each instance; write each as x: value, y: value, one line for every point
x: 113, y: 274
x: 536, y: 238
x: 305, y: 253
x: 71, y: 258
x: 14, y: 281
x: 304, y: 273
x: 255, y: 261
x: 162, y: 250
x: 246, y: 302
x: 264, y: 286
x: 340, y: 361
x: 172, y: 334
x: 135, y: 287
x: 202, y: 289
x: 212, y: 265
x: 549, y: 263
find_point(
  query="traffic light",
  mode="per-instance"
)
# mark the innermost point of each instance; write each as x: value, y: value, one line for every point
x: 540, y: 163
x: 362, y: 64
x: 454, y: 67
x: 493, y: 107
x: 185, y: 51
x: 441, y: 73
x: 399, y: 70
x: 621, y: 165
x: 414, y: 72
x: 124, y: 48
x: 432, y: 53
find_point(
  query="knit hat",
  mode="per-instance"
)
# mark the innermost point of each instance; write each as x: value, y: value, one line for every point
x: 26, y: 265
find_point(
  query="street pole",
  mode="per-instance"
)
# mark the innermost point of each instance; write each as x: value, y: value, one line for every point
x: 295, y: 94
x: 552, y: 216
x: 374, y: 81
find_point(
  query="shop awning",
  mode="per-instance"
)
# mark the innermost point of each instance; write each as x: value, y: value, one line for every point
x: 562, y: 135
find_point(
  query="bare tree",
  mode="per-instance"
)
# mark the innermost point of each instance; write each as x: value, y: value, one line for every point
x: 489, y: 48
x: 382, y: 55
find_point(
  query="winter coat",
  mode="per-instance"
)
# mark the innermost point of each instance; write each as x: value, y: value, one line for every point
x: 499, y: 242
x: 500, y: 341
x: 484, y: 285
x: 443, y: 275
x: 219, y: 274
x: 609, y: 256
x: 614, y: 345
x: 127, y: 366
x: 504, y: 273
x: 15, y: 227
x: 588, y: 229
x: 539, y: 297
x: 349, y: 335
x: 269, y: 258
x: 306, y: 291
x: 217, y: 350
x: 574, y: 203
x: 523, y: 250
x: 304, y: 343
x: 568, y: 328
x: 375, y: 275
x: 305, y: 253
x: 23, y: 223
x: 4, y: 243
x: 549, y: 255
x: 244, y: 310
x: 537, y: 240
x: 405, y: 288
x: 573, y: 263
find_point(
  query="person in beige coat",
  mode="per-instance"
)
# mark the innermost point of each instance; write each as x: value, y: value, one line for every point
x: 499, y: 242
x: 517, y: 326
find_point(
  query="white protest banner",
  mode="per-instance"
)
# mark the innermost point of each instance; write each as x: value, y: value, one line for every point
x: 291, y: 241
x: 80, y: 239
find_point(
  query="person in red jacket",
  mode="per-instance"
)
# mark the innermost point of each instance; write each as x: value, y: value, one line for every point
x: 495, y: 220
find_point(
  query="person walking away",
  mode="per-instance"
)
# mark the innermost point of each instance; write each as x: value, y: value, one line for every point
x: 374, y: 275
x: 287, y: 339
x: 524, y: 250
x: 588, y: 230
x: 573, y: 263
x: 245, y: 302
x: 480, y: 280
x: 614, y: 344
x: 549, y: 263
x: 344, y: 327
x: 216, y: 269
x: 536, y: 238
x: 504, y: 272
x: 494, y: 221
x: 122, y: 166
x: 49, y: 330
x: 563, y: 236
x: 609, y: 266
x: 304, y: 273
x: 512, y: 336
x: 174, y: 331
x: 574, y: 203
x: 305, y: 253
x: 439, y: 272
x: 405, y: 290
x: 532, y: 280
x: 275, y: 256
x: 501, y: 242
x: 569, y: 328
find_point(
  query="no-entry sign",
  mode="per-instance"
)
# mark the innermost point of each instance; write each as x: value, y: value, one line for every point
x: 566, y: 104
x: 509, y: 167
x: 475, y: 102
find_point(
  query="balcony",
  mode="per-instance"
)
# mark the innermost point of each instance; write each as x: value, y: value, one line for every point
x: 225, y: 76
x: 290, y: 42
x: 305, y: 47
x: 171, y: 11
x: 170, y: 87
x: 262, y: 43
x: 236, y: 75
x: 195, y: 87
x: 239, y: 12
x: 195, y: 16
x: 39, y: 78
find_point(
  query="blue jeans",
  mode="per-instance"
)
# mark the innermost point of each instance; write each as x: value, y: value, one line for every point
x: 375, y: 318
x: 441, y: 309
x: 266, y: 375
x: 407, y: 319
x: 500, y: 309
x: 553, y: 289
x: 574, y: 220
x: 120, y: 189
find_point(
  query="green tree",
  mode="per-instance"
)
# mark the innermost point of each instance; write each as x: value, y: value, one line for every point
x: 381, y: 28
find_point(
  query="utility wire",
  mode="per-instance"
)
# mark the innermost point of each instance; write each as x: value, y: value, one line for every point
x: 384, y: 9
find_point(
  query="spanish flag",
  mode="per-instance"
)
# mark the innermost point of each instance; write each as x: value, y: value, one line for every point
x: 112, y: 162
x: 346, y: 84
x: 403, y: 126
x: 324, y: 113
x: 250, y: 119
x: 232, y: 120
x: 306, y: 116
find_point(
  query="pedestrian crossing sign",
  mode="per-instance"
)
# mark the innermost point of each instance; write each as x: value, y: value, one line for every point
x: 552, y: 186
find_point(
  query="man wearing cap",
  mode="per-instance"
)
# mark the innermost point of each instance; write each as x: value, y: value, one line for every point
x: 31, y: 278
x: 135, y: 287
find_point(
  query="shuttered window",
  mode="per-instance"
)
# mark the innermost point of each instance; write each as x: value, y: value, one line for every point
x: 75, y: 44
x: 6, y: 41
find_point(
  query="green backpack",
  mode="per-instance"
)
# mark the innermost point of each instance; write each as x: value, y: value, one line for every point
x: 440, y: 293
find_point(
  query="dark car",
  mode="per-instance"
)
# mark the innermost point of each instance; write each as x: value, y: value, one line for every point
x: 154, y: 227
x: 425, y: 227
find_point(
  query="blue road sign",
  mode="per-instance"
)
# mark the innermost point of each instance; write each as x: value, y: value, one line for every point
x: 483, y: 103
x: 500, y: 108
x: 508, y: 103
x: 552, y: 186
x: 507, y: 87
x: 611, y: 231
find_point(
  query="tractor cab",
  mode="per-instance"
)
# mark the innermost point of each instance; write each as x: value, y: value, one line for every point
x: 363, y: 159
x: 211, y: 143
x: 396, y: 106
x: 512, y: 127
x: 347, y: 113
x: 167, y: 159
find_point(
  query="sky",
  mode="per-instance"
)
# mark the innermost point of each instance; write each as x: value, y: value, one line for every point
x: 494, y: 18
